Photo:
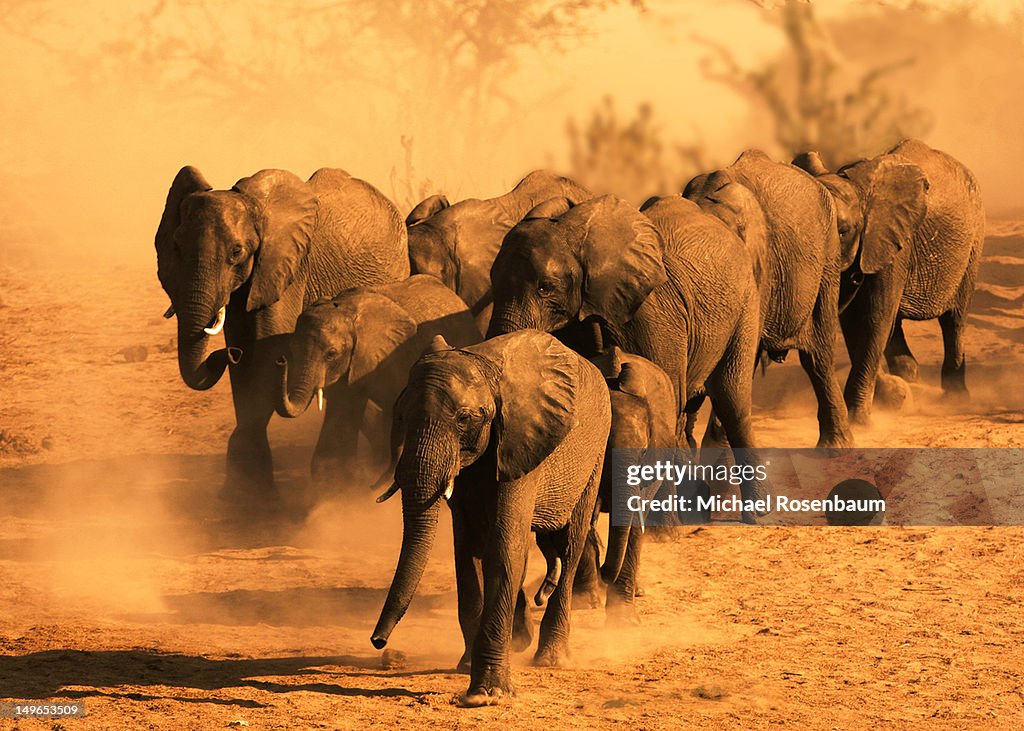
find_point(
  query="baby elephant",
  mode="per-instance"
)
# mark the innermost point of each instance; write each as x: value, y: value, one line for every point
x: 643, y: 418
x: 512, y: 433
x: 358, y: 348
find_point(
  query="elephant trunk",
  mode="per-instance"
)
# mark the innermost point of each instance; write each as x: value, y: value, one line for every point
x: 199, y: 372
x: 510, y: 318
x: 431, y: 468
x: 618, y: 542
x: 294, y: 398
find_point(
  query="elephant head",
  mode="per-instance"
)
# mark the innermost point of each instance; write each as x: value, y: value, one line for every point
x: 879, y: 204
x: 566, y: 262
x: 341, y: 339
x: 441, y: 236
x: 210, y: 243
x: 514, y: 394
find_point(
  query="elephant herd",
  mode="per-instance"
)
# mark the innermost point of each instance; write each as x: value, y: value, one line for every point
x: 492, y: 353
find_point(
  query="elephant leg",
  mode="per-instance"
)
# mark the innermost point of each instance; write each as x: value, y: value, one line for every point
x: 586, y: 589
x: 714, y: 436
x: 619, y: 602
x: 731, y: 387
x: 334, y: 457
x: 522, y: 624
x: 898, y: 357
x: 867, y: 323
x: 504, y: 567
x: 468, y: 580
x: 553, y: 642
x: 816, y: 358
x: 254, y: 383
x: 954, y: 361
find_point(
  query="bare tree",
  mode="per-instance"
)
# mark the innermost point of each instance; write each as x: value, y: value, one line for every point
x: 629, y: 158
x: 815, y: 98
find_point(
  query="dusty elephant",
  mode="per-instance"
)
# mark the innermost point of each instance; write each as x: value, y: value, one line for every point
x: 912, y: 225
x: 357, y: 348
x: 789, y: 226
x: 512, y: 433
x: 670, y: 283
x: 457, y: 243
x: 643, y: 418
x: 248, y: 260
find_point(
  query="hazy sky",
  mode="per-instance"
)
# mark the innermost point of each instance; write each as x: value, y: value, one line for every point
x: 92, y: 167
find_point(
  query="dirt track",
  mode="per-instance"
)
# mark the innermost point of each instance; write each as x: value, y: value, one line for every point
x: 125, y: 584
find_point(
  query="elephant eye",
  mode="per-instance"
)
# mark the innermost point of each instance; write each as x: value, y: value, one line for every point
x: 332, y: 354
x: 546, y: 287
x: 237, y: 252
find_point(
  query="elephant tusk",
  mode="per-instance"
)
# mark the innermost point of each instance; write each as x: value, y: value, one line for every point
x: 449, y: 490
x: 222, y: 315
x: 388, y: 493
x: 170, y: 312
x: 320, y: 398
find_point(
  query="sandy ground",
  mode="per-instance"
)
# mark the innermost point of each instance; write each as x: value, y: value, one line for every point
x: 125, y: 584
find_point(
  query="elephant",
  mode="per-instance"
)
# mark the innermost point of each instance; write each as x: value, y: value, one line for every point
x: 912, y: 226
x: 643, y: 418
x: 511, y: 433
x: 668, y: 282
x: 788, y: 224
x: 457, y: 243
x: 247, y: 261
x: 358, y: 347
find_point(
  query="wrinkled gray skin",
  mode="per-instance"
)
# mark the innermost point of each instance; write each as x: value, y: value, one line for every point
x: 789, y: 226
x: 457, y: 243
x: 265, y: 250
x: 358, y: 347
x: 675, y: 286
x: 643, y: 418
x: 913, y: 226
x: 516, y: 427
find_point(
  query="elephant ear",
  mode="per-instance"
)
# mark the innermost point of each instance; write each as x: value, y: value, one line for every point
x: 380, y: 326
x: 631, y: 381
x: 186, y: 182
x: 621, y: 256
x: 426, y: 208
x: 894, y: 195
x: 286, y: 210
x: 810, y: 162
x: 537, y: 388
x: 551, y: 208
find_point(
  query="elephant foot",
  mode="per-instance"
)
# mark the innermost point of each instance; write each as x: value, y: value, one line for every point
x: 553, y: 655
x: 493, y: 686
x: 859, y: 416
x: 661, y: 533
x: 835, y: 442
x: 892, y: 392
x: 620, y: 611
x: 492, y: 697
x: 588, y: 597
x: 905, y: 367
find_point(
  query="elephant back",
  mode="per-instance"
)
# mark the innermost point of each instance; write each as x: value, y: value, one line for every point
x: 361, y: 237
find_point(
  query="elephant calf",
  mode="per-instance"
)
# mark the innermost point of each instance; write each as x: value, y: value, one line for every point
x: 643, y: 418
x: 457, y: 243
x: 512, y: 433
x: 359, y: 347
